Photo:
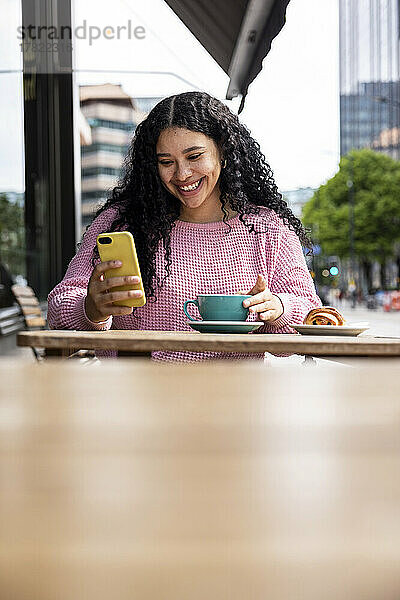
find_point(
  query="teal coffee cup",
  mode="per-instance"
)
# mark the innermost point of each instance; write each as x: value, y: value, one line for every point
x: 219, y: 307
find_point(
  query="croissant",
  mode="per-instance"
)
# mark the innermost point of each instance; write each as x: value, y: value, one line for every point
x: 325, y: 315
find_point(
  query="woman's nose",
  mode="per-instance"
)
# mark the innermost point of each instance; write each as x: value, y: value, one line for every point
x: 183, y: 171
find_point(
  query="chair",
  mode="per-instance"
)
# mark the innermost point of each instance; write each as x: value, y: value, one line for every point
x: 30, y: 308
x: 11, y: 320
x: 32, y: 314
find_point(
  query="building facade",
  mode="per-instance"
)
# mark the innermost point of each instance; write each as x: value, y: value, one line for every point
x: 109, y: 117
x: 369, y: 76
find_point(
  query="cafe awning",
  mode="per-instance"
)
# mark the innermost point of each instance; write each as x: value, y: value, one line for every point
x: 237, y: 33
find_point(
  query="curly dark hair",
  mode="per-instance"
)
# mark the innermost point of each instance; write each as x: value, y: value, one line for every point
x: 148, y: 210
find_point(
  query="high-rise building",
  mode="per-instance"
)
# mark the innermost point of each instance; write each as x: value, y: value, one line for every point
x: 369, y: 75
x: 109, y: 117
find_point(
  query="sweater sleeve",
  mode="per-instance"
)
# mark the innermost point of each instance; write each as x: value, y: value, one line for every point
x: 66, y: 302
x: 292, y: 284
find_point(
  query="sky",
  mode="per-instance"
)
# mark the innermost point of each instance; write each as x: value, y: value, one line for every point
x: 291, y: 109
x: 293, y: 106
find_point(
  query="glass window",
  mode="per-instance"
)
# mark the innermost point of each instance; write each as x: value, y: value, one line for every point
x: 93, y: 171
x: 104, y: 148
x: 94, y: 123
x: 12, y: 178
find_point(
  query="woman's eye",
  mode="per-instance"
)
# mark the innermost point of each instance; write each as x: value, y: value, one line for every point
x: 166, y: 163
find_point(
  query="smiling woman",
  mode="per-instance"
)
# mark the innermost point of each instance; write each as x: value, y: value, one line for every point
x: 201, y: 203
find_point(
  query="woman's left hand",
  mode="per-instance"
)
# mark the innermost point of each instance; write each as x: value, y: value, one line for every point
x: 267, y: 306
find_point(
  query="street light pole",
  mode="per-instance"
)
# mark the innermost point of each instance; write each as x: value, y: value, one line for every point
x: 350, y: 185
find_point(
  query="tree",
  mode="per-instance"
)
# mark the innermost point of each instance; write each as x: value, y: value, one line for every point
x: 376, y: 188
x: 12, y: 235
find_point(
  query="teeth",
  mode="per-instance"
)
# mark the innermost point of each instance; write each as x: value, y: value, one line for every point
x: 189, y: 188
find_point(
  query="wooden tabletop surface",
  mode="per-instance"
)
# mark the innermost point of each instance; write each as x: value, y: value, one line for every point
x: 176, y: 341
x: 184, y: 482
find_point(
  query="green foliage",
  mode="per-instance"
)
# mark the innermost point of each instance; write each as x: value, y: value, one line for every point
x: 376, y: 188
x: 12, y: 235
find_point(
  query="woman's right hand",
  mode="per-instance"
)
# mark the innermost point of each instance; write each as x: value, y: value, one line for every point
x: 100, y: 296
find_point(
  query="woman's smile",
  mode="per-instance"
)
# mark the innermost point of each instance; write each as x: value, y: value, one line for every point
x: 191, y: 189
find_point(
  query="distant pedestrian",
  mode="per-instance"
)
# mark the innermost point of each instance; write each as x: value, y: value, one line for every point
x: 352, y: 290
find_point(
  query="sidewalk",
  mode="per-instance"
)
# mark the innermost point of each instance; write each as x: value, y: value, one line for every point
x: 381, y: 323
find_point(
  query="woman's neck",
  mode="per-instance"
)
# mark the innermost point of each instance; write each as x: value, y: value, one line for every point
x: 206, y: 216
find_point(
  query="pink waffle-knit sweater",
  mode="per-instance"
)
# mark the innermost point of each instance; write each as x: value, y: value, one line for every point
x: 205, y: 260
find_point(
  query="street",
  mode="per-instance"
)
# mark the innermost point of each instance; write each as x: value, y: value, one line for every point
x: 381, y: 323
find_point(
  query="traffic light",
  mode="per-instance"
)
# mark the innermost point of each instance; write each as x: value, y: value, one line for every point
x: 334, y: 266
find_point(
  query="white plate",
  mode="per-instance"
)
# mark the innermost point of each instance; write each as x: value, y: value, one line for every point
x: 351, y: 329
x: 224, y: 326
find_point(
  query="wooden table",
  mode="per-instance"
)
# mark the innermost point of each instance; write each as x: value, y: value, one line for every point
x: 185, y: 482
x: 180, y: 341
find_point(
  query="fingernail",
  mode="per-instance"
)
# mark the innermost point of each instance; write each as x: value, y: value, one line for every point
x: 135, y: 279
x: 246, y: 303
x: 117, y: 263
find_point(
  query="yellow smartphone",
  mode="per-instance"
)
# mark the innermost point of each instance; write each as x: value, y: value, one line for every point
x: 121, y: 246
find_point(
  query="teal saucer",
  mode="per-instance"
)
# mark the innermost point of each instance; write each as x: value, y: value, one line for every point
x: 223, y: 326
